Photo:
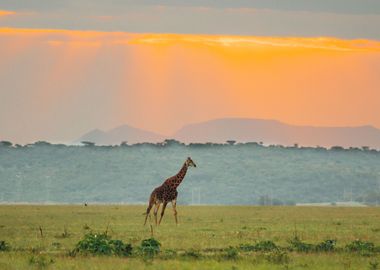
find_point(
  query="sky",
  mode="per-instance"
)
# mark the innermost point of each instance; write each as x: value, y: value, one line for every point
x: 67, y: 67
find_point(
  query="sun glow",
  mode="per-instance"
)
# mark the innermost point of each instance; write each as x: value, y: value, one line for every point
x: 161, y: 81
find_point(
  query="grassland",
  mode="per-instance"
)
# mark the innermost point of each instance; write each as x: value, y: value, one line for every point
x: 42, y: 236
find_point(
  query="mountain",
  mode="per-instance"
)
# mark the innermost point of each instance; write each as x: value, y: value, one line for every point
x: 275, y: 132
x: 122, y: 133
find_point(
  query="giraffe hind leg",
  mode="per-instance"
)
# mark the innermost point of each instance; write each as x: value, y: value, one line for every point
x: 156, y: 208
x: 174, y: 204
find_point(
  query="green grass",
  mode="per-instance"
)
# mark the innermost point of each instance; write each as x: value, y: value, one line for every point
x: 203, y: 229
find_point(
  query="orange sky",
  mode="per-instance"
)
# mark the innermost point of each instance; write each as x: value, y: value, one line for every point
x: 58, y: 84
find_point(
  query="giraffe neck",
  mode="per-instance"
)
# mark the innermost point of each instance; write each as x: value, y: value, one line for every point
x: 180, y: 175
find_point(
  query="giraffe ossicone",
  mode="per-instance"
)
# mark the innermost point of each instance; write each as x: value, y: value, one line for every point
x: 167, y: 192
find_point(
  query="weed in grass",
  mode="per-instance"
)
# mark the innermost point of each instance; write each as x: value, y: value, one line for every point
x: 40, y: 262
x: 4, y: 246
x: 373, y: 265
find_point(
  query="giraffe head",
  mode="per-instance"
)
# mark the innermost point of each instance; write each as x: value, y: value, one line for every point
x: 190, y: 162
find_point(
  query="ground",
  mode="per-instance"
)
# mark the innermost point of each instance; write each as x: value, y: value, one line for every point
x: 42, y: 236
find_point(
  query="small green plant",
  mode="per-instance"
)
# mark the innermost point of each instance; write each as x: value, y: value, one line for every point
x: 326, y: 246
x: 149, y: 247
x: 231, y: 253
x: 4, y: 246
x: 102, y: 244
x: 298, y: 245
x: 364, y: 248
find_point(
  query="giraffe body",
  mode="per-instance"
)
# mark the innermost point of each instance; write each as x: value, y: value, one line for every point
x: 167, y: 192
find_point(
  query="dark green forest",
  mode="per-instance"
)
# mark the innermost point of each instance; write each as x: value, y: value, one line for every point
x: 230, y: 173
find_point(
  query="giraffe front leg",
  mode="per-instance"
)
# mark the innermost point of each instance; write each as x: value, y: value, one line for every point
x: 147, y: 213
x: 174, y: 204
x: 156, y: 208
x: 162, y: 211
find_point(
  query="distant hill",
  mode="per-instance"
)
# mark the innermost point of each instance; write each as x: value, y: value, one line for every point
x: 275, y: 132
x: 117, y: 135
x: 245, y: 130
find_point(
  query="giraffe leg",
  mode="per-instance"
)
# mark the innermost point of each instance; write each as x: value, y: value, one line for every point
x: 148, y: 211
x: 162, y: 211
x: 174, y: 204
x: 156, y: 208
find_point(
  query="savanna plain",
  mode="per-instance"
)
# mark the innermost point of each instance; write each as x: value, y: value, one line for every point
x: 208, y: 237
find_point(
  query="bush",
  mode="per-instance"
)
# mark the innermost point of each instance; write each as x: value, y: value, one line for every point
x: 260, y: 246
x: 361, y: 247
x: 326, y: 246
x: 102, y: 244
x: 149, y: 247
x: 297, y: 245
x: 4, y: 246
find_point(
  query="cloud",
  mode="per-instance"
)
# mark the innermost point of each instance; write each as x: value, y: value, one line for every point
x: 6, y: 13
x: 324, y: 43
x: 56, y: 37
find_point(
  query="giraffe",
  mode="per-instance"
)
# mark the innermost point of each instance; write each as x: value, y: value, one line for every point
x: 167, y: 192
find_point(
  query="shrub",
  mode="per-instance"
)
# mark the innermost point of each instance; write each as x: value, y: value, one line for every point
x: 149, y: 247
x: 4, y: 246
x: 326, y: 246
x: 102, y: 244
x: 297, y: 245
x: 361, y: 247
x: 231, y: 253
